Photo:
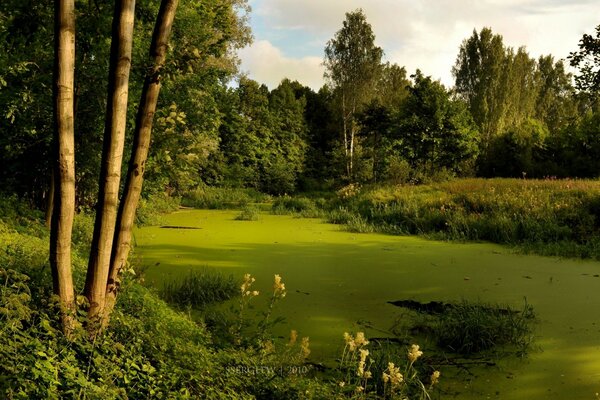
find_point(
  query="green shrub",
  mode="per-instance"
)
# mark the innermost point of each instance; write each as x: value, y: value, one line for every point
x: 248, y: 213
x: 151, y: 210
x: 300, y: 206
x: 222, y: 198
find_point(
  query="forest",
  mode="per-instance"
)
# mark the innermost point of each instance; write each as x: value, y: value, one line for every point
x: 115, y: 115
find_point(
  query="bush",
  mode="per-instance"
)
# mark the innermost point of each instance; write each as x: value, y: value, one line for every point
x: 301, y: 206
x: 150, y: 210
x: 222, y: 198
x: 248, y: 213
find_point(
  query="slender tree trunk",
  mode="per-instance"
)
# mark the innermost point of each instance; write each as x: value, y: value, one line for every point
x: 352, y: 134
x: 112, y: 157
x: 50, y: 199
x: 345, y: 131
x: 64, y: 161
x: 141, y: 144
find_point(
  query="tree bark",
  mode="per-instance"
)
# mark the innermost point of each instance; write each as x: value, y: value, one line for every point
x: 50, y: 199
x: 112, y: 157
x: 141, y: 144
x: 63, y: 161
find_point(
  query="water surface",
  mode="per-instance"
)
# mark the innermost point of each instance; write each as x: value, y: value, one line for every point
x: 339, y: 281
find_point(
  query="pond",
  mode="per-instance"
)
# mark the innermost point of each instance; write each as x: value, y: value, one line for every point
x: 339, y: 281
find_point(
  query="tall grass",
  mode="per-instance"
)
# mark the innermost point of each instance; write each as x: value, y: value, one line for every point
x: 199, y: 289
x: 546, y: 216
x: 299, y: 206
x: 470, y: 327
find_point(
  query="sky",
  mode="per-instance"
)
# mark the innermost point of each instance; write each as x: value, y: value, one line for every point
x: 290, y: 35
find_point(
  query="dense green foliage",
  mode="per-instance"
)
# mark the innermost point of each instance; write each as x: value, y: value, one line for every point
x: 149, y: 351
x: 219, y: 146
x: 508, y: 114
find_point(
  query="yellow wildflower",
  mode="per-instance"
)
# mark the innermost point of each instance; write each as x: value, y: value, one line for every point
x: 278, y: 286
x: 435, y: 377
x: 414, y: 353
x: 268, y: 347
x: 393, y: 375
x: 248, y: 281
x: 305, y: 347
x: 360, y: 339
x: 361, y: 363
x: 293, y: 337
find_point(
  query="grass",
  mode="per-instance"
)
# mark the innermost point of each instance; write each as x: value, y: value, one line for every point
x: 248, y: 213
x: 199, y: 289
x: 549, y: 217
x: 298, y: 206
x: 473, y: 327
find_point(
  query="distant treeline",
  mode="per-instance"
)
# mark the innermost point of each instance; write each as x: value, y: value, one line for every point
x: 508, y: 114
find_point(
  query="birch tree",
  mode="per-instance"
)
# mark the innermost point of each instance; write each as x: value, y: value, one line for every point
x: 141, y: 143
x: 64, y: 160
x: 352, y: 65
x: 112, y: 155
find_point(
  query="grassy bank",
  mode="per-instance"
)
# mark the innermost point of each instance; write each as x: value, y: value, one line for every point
x: 149, y: 351
x: 548, y: 217
x: 152, y: 350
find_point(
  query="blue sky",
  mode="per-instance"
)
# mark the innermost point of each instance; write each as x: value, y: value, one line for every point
x: 290, y: 35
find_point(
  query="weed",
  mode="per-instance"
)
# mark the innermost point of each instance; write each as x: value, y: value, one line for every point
x: 199, y: 289
x: 248, y: 213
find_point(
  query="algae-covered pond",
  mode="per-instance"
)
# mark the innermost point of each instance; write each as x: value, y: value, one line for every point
x: 339, y: 281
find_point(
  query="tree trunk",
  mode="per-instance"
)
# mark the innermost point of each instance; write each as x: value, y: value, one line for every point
x: 50, y: 198
x: 141, y: 144
x: 112, y: 157
x: 345, y: 131
x: 63, y: 161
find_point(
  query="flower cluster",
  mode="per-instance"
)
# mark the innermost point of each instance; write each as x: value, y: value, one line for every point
x: 353, y: 343
x: 392, y: 375
x: 293, y: 337
x: 304, y: 347
x: 414, y: 353
x: 245, y: 288
x: 348, y: 191
x: 278, y: 287
x: 435, y: 377
x: 361, y: 364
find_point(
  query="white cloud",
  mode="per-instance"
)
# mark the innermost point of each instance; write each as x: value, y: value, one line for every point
x: 266, y: 64
x: 423, y: 34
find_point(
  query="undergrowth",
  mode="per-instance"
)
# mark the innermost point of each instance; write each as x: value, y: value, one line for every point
x: 222, y: 198
x: 550, y: 217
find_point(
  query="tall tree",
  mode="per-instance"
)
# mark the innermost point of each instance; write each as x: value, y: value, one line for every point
x: 112, y: 156
x: 587, y: 61
x: 64, y: 160
x: 141, y: 143
x: 436, y: 131
x: 352, y: 66
x: 556, y: 105
x: 480, y: 73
